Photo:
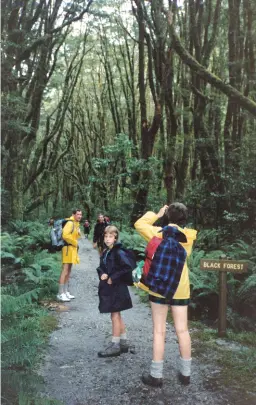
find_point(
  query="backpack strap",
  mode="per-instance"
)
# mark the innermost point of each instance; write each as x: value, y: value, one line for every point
x: 73, y: 228
x: 70, y: 220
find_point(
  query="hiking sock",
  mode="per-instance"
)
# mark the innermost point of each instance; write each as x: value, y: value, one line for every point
x: 123, y: 336
x: 116, y: 340
x: 185, y: 366
x: 156, y: 369
x: 65, y: 288
x: 61, y: 288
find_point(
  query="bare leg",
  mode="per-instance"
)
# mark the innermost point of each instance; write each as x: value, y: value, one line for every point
x: 180, y: 318
x: 65, y: 274
x: 116, y: 324
x: 122, y: 325
x: 159, y: 315
x: 114, y: 348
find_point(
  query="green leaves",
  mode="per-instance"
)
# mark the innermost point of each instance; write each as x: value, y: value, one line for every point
x: 134, y: 241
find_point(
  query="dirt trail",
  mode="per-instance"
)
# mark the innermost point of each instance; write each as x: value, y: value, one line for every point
x: 75, y: 375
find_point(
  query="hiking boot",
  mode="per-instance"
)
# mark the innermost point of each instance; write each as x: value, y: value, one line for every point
x: 113, y: 350
x: 152, y: 381
x: 124, y: 346
x: 183, y: 379
x: 132, y: 349
x: 62, y: 297
x: 71, y: 297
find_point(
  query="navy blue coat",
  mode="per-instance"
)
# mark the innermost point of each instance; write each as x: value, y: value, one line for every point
x: 114, y: 297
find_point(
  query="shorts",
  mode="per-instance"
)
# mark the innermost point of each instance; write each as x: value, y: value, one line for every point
x: 165, y: 301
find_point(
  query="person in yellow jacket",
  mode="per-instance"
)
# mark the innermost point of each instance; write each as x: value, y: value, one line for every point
x: 176, y: 213
x: 70, y: 234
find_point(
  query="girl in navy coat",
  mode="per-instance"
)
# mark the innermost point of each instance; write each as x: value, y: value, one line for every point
x: 114, y: 295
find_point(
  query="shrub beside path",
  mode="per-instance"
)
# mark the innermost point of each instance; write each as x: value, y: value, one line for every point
x: 75, y: 375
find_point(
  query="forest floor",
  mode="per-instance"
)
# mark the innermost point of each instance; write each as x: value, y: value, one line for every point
x: 75, y: 375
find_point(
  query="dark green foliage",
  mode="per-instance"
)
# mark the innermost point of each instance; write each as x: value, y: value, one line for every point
x: 39, y: 232
x: 241, y: 287
x: 28, y: 275
x: 22, y: 388
x: 135, y: 242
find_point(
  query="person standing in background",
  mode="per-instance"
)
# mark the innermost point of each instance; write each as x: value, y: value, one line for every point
x: 98, y: 235
x: 107, y: 220
x: 87, y: 228
x: 71, y: 233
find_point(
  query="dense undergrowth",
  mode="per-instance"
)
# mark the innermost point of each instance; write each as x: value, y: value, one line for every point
x: 30, y: 275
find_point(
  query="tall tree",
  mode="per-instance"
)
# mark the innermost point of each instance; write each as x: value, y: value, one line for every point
x: 33, y: 33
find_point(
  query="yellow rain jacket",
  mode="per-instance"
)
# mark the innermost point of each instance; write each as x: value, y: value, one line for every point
x: 71, y: 234
x: 145, y: 228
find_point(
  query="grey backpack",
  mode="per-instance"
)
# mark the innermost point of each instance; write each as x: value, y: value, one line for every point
x: 57, y: 241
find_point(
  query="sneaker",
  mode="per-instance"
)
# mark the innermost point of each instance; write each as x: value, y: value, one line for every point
x: 152, y: 381
x: 62, y: 297
x: 112, y: 350
x: 71, y: 297
x: 183, y: 379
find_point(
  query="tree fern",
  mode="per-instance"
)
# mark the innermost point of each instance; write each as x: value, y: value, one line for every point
x: 247, y: 292
x: 241, y: 250
x: 11, y: 304
x: 21, y: 349
x: 207, y: 238
x: 12, y: 242
x: 133, y: 241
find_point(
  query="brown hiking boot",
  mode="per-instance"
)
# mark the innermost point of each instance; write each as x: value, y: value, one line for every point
x: 184, y: 380
x: 152, y: 381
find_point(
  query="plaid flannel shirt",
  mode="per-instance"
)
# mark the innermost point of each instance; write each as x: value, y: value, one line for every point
x: 167, y: 264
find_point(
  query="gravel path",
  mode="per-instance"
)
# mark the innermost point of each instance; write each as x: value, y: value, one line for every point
x: 75, y: 375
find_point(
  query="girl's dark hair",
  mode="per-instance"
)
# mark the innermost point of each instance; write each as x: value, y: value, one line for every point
x: 177, y: 213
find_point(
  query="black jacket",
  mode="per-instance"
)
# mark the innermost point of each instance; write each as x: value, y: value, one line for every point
x: 98, y: 235
x: 87, y: 229
x: 114, y: 297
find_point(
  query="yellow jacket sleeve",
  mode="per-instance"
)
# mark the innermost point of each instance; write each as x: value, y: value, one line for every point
x: 144, y: 226
x: 68, y: 234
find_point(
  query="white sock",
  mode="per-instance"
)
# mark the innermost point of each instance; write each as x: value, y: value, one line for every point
x: 65, y: 288
x: 61, y: 289
x: 156, y: 369
x: 123, y: 336
x: 116, y: 340
x: 185, y: 366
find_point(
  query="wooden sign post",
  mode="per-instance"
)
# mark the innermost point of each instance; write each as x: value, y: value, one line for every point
x: 223, y: 266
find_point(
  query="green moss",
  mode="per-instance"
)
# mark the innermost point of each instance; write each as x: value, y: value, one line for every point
x: 48, y: 324
x: 244, y: 338
x: 235, y: 355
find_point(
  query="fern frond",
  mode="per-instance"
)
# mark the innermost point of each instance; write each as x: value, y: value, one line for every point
x: 247, y: 292
x: 11, y: 304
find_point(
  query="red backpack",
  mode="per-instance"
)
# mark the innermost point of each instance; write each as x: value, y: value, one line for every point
x: 150, y: 251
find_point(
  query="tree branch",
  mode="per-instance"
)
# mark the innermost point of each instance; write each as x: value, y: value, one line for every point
x: 201, y: 71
